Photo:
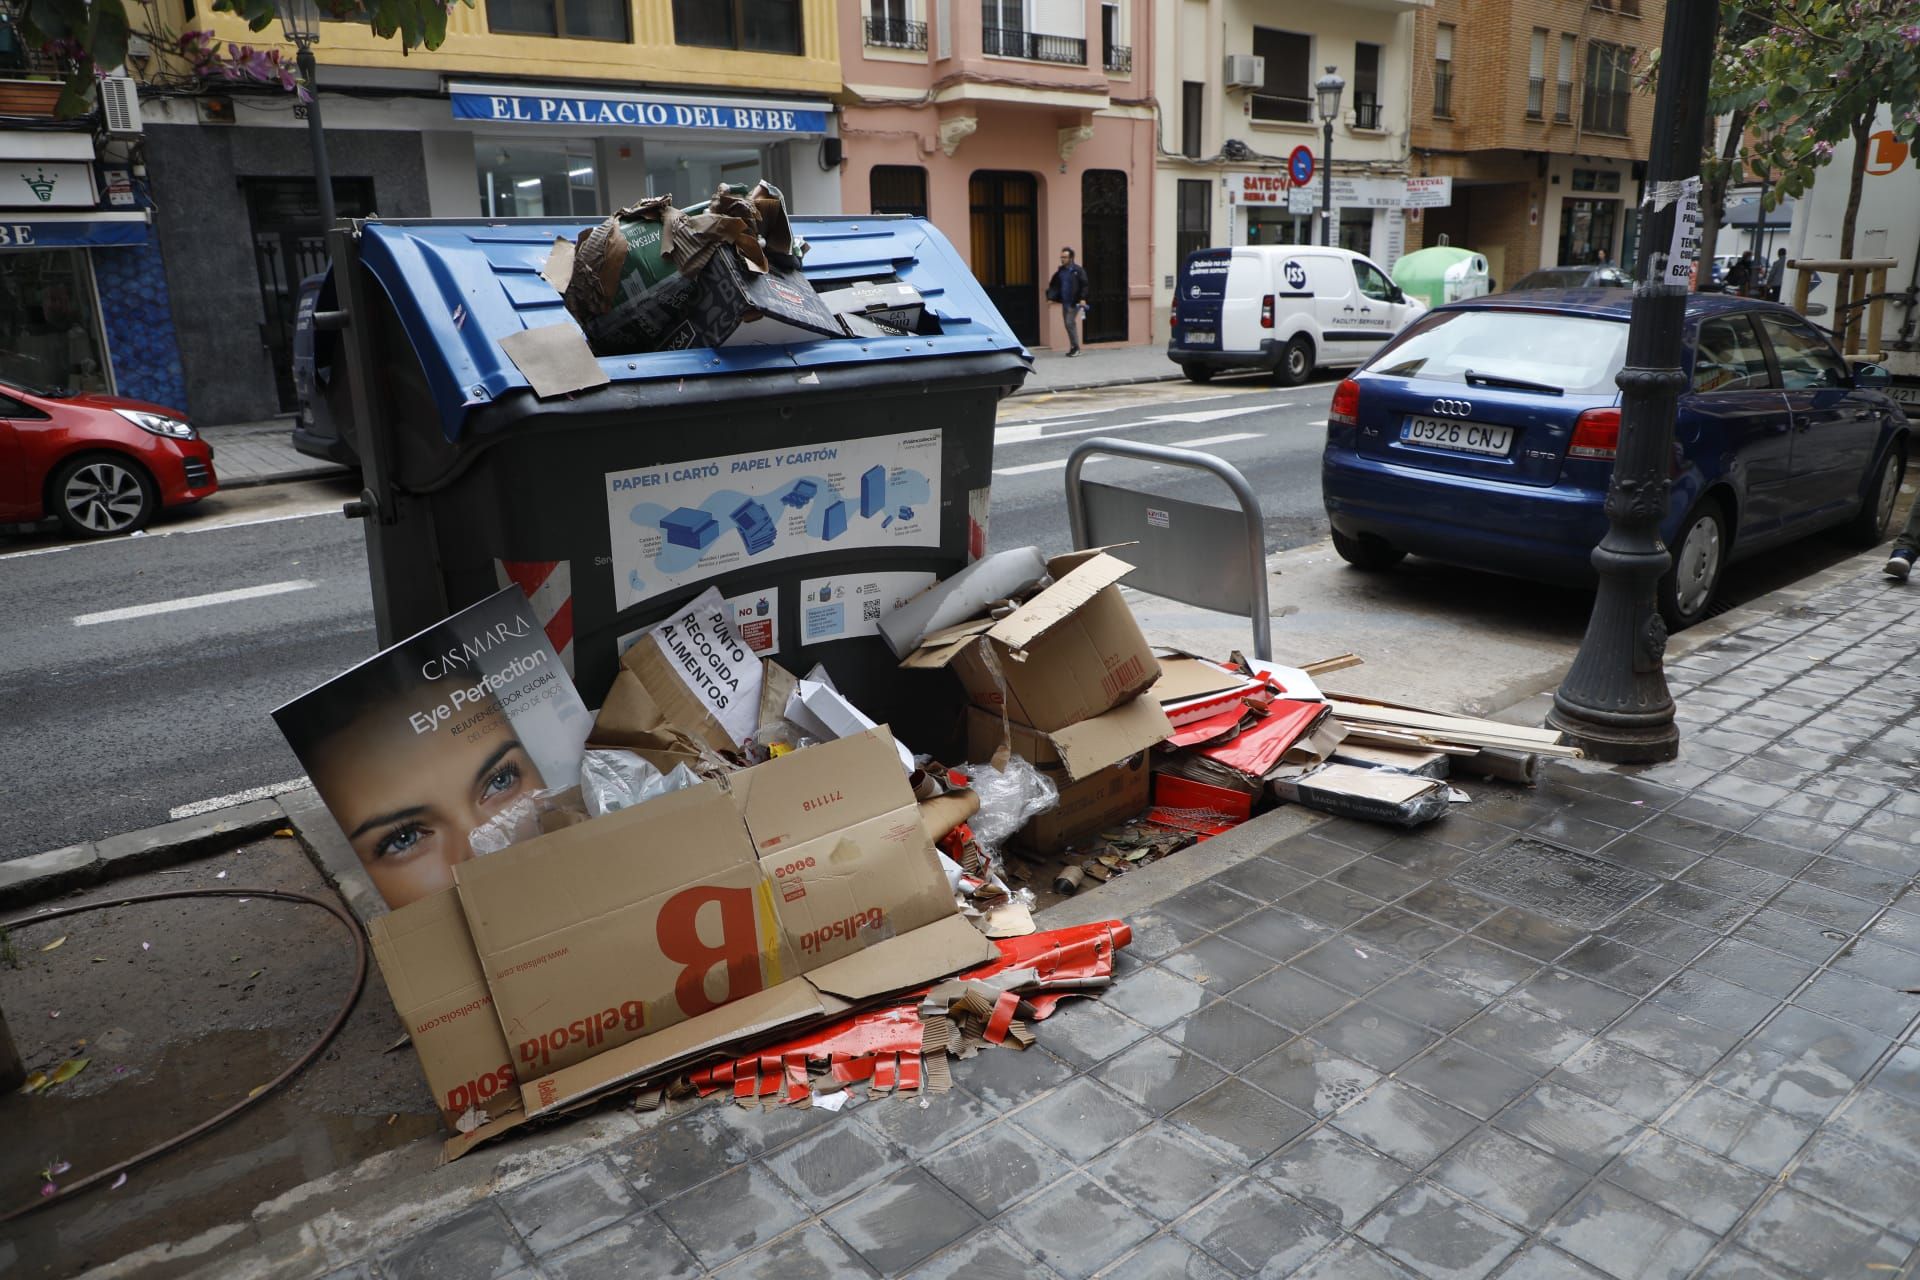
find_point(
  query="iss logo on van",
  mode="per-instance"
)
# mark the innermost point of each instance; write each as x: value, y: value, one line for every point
x: 1296, y: 274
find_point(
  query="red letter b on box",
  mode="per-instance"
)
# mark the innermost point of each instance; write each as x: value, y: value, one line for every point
x: 738, y: 948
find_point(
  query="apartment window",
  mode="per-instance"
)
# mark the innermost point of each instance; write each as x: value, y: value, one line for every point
x: 1629, y: 8
x: 898, y: 188
x: 890, y: 25
x: 1115, y: 54
x: 1366, y: 86
x: 755, y: 26
x: 1288, y: 91
x: 1537, y: 74
x: 575, y: 19
x: 1192, y: 116
x: 1443, y: 70
x: 1196, y: 217
x: 1609, y: 82
x: 1563, y: 87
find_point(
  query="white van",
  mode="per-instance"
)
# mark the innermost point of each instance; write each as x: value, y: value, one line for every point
x: 1284, y: 308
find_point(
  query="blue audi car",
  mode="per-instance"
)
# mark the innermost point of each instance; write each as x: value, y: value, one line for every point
x: 1484, y: 435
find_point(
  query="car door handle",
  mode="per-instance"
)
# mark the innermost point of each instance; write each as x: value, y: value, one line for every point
x: 1348, y: 307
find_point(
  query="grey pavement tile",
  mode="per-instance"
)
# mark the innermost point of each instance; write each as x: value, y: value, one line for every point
x: 1824, y: 907
x: 1155, y: 997
x: 1798, y: 1032
x: 1081, y: 1118
x: 1291, y: 998
x: 1439, y: 1234
x: 1790, y: 934
x: 1159, y: 1075
x: 1522, y: 1038
x: 1736, y: 1264
x: 1428, y: 855
x: 1703, y: 996
x: 1450, y: 905
x: 1351, y: 964
x: 1649, y: 931
x: 1816, y: 1239
x: 1313, y: 855
x: 996, y: 1168
x: 1352, y: 1259
x: 1570, y: 832
x: 1400, y: 930
x: 1864, y: 1004
x: 987, y: 1254
x: 1873, y: 961
x: 476, y: 1242
x: 1882, y: 1119
x: 1311, y: 1076
x: 1367, y: 837
x: 1378, y: 878
x: 1706, y: 1190
x: 1894, y: 857
x: 1163, y: 1172
x: 1819, y: 808
x: 1669, y: 1036
x: 1639, y: 851
x: 1690, y: 904
x: 1530, y: 934
x: 1077, y: 1226
x: 924, y: 1123
x: 641, y: 1248
x: 825, y: 1168
x: 1573, y: 1000
x: 1803, y: 1087
x: 1251, y: 1229
x: 900, y: 1221
x: 1617, y: 965
x: 1871, y: 884
x: 1330, y: 903
x: 765, y: 1128
x: 1745, y: 790
x: 1899, y: 927
x: 1207, y: 905
x: 1227, y: 1034
x: 565, y: 1206
x: 1464, y: 832
x: 1429, y: 999
x: 1485, y: 967
x: 1628, y: 1238
x: 1005, y: 1078
x: 1242, y: 1121
x: 1572, y: 1126
x: 1629, y: 1083
x: 1620, y: 786
x: 1405, y: 1123
x: 1370, y: 1035
x: 811, y: 1253
x: 1900, y: 1075
x: 1507, y: 1177
x: 738, y: 1211
x: 1156, y: 934
x: 1335, y: 1176
x: 1766, y: 855
x: 1167, y: 1258
x: 1278, y: 935
x: 1542, y: 1262
x: 1683, y: 833
x: 1217, y: 964
x: 1462, y: 1076
x: 1872, y: 1180
x: 1262, y: 878
x: 1088, y: 1031
x: 689, y: 1150
x: 1755, y: 967
x: 1735, y: 880
x: 1798, y: 833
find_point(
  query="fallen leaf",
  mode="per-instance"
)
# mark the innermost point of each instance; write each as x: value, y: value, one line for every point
x: 56, y: 944
x: 35, y: 1082
x: 119, y: 1182
x: 256, y: 1091
x: 393, y: 1117
x: 99, y: 959
x: 67, y: 1071
x: 256, y: 973
x: 285, y: 833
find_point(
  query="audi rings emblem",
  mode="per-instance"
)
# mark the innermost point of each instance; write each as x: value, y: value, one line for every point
x: 1453, y: 408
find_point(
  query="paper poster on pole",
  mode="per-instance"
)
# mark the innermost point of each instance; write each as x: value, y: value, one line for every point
x: 678, y: 524
x: 842, y: 607
x: 1684, y: 250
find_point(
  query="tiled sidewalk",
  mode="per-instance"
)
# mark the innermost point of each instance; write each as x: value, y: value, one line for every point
x: 1670, y: 1041
x: 257, y: 453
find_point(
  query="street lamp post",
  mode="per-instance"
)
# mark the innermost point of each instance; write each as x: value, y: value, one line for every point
x: 1328, y: 89
x: 1614, y: 702
x: 300, y: 21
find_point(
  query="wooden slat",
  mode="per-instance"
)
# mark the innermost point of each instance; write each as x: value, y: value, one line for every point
x: 1428, y: 722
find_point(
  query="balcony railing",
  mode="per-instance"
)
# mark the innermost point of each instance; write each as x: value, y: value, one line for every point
x: 1119, y: 59
x: 1268, y: 106
x: 896, y: 33
x: 1007, y: 42
x: 17, y: 56
x: 1536, y: 96
x: 1443, y: 89
x: 1563, y: 102
x: 1366, y: 112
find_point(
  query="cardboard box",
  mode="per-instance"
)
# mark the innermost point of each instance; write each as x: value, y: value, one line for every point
x: 1086, y: 808
x: 1078, y: 751
x: 1069, y: 654
x: 426, y: 956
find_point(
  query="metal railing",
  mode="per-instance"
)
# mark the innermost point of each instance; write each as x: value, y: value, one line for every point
x: 1536, y: 96
x: 1270, y: 106
x: 1008, y: 42
x: 1563, y: 102
x: 1366, y: 113
x: 1443, y: 88
x: 17, y: 55
x: 1119, y: 58
x: 896, y: 33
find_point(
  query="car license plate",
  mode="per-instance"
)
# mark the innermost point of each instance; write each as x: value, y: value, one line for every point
x: 1905, y: 395
x: 1462, y: 437
x: 1199, y: 337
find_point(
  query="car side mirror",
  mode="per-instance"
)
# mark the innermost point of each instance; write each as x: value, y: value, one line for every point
x: 1399, y: 294
x: 1871, y: 377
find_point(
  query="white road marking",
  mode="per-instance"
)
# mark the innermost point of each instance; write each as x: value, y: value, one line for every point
x: 1028, y: 468
x: 193, y: 602
x: 332, y: 509
x: 199, y: 807
x: 1013, y: 439
x: 1195, y: 444
x: 1214, y: 415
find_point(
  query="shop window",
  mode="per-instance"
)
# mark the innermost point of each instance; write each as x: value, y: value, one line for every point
x: 898, y: 188
x: 1288, y: 91
x: 49, y: 324
x: 1357, y: 235
x: 528, y: 179
x: 574, y: 19
x: 1366, y: 86
x: 755, y: 26
x: 1192, y: 115
x: 1609, y: 86
x: 1196, y: 217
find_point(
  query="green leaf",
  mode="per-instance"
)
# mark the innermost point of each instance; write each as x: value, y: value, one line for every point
x: 107, y: 31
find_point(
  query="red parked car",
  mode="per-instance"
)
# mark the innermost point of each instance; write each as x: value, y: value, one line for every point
x: 100, y: 464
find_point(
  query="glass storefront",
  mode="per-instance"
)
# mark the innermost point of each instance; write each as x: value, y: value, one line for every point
x: 50, y: 321
x: 1586, y: 227
x: 691, y: 173
x: 527, y: 178
x: 1272, y: 224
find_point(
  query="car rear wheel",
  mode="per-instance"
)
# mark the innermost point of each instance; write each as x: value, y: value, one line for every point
x: 1367, y: 551
x: 1686, y: 592
x: 1197, y: 372
x: 1876, y: 513
x: 1296, y: 363
x: 97, y: 496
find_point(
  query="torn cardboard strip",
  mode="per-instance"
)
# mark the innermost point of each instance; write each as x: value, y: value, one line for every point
x: 555, y: 360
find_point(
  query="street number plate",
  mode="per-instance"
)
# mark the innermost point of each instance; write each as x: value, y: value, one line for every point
x: 1461, y: 437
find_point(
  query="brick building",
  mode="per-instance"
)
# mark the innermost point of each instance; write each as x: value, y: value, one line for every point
x: 1530, y: 106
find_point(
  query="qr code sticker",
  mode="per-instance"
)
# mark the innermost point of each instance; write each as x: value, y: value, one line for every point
x: 870, y: 611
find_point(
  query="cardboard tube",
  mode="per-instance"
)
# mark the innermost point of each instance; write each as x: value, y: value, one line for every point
x: 1508, y: 766
x: 942, y: 814
x: 1069, y: 880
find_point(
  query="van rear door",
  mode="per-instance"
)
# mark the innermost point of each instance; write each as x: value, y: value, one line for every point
x: 1197, y: 299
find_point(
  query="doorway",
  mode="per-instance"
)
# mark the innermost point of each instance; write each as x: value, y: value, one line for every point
x: 289, y: 244
x: 1103, y: 252
x: 1005, y: 257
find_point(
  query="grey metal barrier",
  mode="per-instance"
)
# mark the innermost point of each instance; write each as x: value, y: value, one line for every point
x: 1210, y: 557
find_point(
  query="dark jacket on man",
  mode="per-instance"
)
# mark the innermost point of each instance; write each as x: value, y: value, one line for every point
x: 1069, y: 285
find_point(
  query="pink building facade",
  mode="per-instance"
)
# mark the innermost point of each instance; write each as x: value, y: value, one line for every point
x: 1019, y: 127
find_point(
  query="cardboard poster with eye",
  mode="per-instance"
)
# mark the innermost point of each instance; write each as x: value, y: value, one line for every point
x: 425, y: 741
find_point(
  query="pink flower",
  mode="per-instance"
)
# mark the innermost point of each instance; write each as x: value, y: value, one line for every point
x: 1823, y: 149
x: 1911, y: 33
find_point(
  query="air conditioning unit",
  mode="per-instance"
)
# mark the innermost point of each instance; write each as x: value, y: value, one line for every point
x: 120, y: 105
x: 1246, y: 71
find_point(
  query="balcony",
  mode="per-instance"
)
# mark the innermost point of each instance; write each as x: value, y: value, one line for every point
x: 1119, y: 59
x: 1007, y: 42
x: 896, y: 33
x: 1273, y: 107
x: 1366, y: 111
x: 1536, y: 96
x: 1443, y: 90
x: 1563, y: 102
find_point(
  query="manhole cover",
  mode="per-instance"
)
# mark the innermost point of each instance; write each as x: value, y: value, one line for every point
x: 1556, y: 882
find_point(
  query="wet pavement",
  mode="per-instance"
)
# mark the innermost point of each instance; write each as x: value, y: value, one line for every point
x: 1631, y: 1023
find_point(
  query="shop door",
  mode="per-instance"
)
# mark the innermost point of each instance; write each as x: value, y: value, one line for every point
x: 289, y: 244
x: 1005, y: 257
x: 1103, y: 252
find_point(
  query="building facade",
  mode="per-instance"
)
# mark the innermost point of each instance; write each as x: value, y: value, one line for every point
x: 1019, y: 127
x: 1235, y: 82
x: 1546, y: 166
x: 531, y: 108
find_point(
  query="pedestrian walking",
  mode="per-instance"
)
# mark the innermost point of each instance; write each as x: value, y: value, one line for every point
x: 1777, y: 275
x: 1069, y: 288
x: 1740, y: 274
x: 1906, y: 547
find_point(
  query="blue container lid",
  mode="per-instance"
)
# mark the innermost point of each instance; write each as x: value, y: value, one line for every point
x: 459, y: 286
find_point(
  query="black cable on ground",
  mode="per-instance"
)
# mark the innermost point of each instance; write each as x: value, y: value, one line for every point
x: 300, y: 1064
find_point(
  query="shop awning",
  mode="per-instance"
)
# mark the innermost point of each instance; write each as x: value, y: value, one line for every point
x: 552, y: 105
x: 92, y: 228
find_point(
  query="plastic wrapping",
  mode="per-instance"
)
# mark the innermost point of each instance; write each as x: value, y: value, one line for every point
x: 1374, y: 795
x: 527, y: 817
x: 614, y: 780
x: 1009, y: 799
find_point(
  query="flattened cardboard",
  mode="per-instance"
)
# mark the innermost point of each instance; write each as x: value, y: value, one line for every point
x: 1184, y: 677
x: 858, y: 886
x: 1076, y: 589
x: 558, y: 269
x: 702, y: 676
x: 1078, y: 751
x: 820, y: 789
x: 1419, y: 763
x: 1112, y: 795
x: 934, y: 951
x: 426, y: 955
x: 555, y: 359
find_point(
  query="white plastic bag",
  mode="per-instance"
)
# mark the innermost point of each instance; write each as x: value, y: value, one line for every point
x: 1009, y: 799
x: 616, y: 780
